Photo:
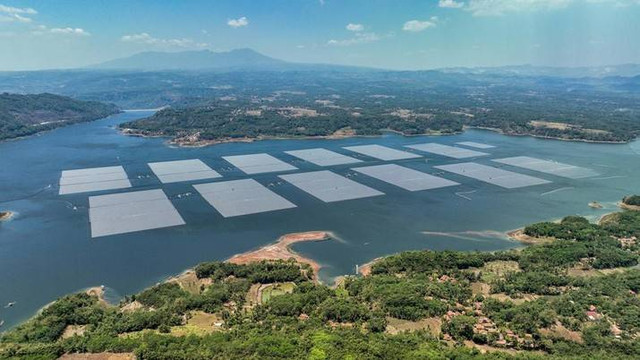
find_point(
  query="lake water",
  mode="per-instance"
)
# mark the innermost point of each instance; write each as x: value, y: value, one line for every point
x: 46, y: 250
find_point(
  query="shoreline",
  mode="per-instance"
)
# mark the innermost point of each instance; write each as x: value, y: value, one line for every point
x: 176, y: 141
x: 628, y: 207
x: 277, y: 250
x: 516, y: 235
x: 64, y: 124
x: 501, y: 132
x: 281, y: 250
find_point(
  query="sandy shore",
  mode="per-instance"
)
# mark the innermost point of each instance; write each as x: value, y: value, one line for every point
x: 520, y: 236
x: 628, y: 207
x: 281, y: 250
x: 5, y: 215
x: 365, y: 269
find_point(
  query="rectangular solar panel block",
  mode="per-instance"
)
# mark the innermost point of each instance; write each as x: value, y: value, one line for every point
x: 446, y: 150
x: 476, y: 145
x: 182, y: 170
x: 94, y: 186
x: 329, y: 187
x: 242, y: 197
x: 126, y: 198
x: 547, y: 166
x: 492, y: 175
x: 92, y: 171
x: 93, y: 179
x: 382, y: 152
x: 130, y: 212
x: 258, y: 163
x: 409, y: 179
x: 323, y: 157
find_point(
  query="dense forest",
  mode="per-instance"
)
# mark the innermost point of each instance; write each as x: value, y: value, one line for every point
x: 633, y: 200
x: 23, y: 115
x: 210, y: 105
x: 573, y: 295
x: 258, y: 105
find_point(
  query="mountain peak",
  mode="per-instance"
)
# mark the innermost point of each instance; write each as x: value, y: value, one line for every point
x: 243, y: 58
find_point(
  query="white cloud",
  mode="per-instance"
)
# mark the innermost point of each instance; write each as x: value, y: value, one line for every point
x: 15, y: 18
x: 14, y: 10
x: 14, y: 14
x: 417, y: 25
x: 69, y: 31
x: 501, y: 7
x: 355, y: 27
x: 359, y: 38
x: 145, y: 38
x: 240, y: 22
x: 452, y: 4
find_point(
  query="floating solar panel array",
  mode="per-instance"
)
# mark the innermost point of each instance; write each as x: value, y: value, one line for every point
x: 322, y: 157
x: 549, y: 167
x: 241, y: 197
x: 382, y: 152
x: 492, y: 175
x: 129, y: 212
x: 476, y: 145
x: 446, y: 150
x: 258, y: 163
x: 329, y: 187
x: 409, y: 179
x: 93, y: 179
x: 182, y: 170
x: 151, y: 209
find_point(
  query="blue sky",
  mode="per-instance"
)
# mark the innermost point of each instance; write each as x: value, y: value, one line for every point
x: 395, y: 34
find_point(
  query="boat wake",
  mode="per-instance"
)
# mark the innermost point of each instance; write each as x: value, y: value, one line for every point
x: 470, y: 235
x: 464, y: 194
x: 556, y: 190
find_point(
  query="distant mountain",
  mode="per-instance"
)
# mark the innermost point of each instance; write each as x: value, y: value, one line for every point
x: 23, y: 115
x: 207, y: 60
x: 192, y: 60
x: 624, y: 70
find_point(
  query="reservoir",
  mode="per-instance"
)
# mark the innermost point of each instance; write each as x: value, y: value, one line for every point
x: 46, y: 250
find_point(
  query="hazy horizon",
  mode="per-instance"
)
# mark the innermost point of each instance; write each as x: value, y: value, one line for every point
x: 407, y: 35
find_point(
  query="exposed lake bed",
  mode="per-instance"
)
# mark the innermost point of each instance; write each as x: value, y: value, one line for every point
x: 47, y: 251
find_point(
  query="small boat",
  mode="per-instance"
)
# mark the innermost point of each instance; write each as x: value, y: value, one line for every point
x: 1, y: 323
x: 10, y: 304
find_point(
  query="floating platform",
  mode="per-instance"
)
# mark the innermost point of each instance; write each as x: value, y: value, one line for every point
x: 500, y: 177
x: 258, y: 163
x: 130, y: 212
x: 242, y: 197
x: 382, y: 152
x: 182, y: 170
x: 448, y: 151
x: 329, y: 187
x: 323, y: 157
x: 476, y: 145
x: 548, y: 167
x: 408, y: 179
x: 93, y: 179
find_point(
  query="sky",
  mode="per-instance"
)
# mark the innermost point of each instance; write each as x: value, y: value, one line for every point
x: 391, y: 34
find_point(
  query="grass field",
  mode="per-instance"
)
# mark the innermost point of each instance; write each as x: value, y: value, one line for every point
x: 272, y: 290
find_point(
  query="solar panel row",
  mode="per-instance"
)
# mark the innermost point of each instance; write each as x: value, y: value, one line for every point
x: 142, y: 210
x: 93, y: 179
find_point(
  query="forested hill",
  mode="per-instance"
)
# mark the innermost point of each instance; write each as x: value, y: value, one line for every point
x: 23, y: 115
x: 573, y: 295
